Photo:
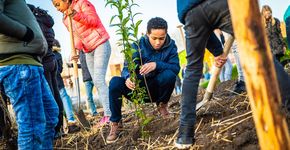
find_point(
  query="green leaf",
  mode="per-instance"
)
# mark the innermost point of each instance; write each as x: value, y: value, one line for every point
x: 112, y: 18
x: 134, y: 4
x: 138, y: 23
x: 133, y: 50
x: 114, y: 25
x: 125, y: 21
x: 136, y: 14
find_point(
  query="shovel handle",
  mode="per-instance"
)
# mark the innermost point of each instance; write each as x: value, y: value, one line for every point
x: 73, y: 50
x: 216, y: 71
x: 75, y: 65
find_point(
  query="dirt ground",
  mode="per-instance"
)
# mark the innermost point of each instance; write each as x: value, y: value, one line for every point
x: 224, y: 123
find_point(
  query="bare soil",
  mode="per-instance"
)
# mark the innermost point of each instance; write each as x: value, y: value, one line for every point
x: 224, y: 123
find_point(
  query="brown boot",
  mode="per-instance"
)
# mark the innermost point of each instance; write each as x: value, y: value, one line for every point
x: 162, y: 109
x: 114, y: 132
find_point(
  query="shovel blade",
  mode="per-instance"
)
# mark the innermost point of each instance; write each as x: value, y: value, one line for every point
x: 82, y: 118
x: 207, y: 97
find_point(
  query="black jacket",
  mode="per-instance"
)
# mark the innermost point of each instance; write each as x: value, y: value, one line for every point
x: 46, y: 23
x: 275, y: 38
x: 59, y: 69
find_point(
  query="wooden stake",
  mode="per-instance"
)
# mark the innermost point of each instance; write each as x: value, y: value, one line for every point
x: 258, y: 67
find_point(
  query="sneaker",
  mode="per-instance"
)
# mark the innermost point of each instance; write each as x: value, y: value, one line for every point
x: 185, y: 138
x: 239, y: 87
x: 115, y: 132
x: 162, y: 109
x: 104, y: 121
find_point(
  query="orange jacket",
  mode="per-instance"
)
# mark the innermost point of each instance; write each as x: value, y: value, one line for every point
x: 88, y: 29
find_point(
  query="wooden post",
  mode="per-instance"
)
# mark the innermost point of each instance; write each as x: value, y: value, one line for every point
x: 260, y: 76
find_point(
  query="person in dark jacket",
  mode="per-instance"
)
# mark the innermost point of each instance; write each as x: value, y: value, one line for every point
x: 160, y: 66
x: 49, y: 63
x: 87, y: 79
x: 200, y: 18
x: 273, y: 30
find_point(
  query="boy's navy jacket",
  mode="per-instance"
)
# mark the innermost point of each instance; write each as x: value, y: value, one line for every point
x: 183, y: 6
x: 166, y: 57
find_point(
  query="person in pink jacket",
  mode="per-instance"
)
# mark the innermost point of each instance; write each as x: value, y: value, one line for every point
x: 91, y: 37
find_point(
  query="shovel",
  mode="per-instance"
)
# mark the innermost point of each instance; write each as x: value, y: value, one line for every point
x: 80, y: 114
x: 216, y: 71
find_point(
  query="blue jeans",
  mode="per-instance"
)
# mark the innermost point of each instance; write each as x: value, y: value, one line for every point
x: 67, y: 105
x: 160, y: 87
x: 235, y: 50
x: 97, y: 62
x: 89, y: 91
x: 199, y: 24
x: 35, y: 108
x: 226, y: 72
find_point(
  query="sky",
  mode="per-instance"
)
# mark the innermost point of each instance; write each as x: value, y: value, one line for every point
x: 149, y: 8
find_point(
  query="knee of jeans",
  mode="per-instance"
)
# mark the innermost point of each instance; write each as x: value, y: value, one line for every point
x: 99, y: 81
x: 116, y: 83
x: 167, y: 77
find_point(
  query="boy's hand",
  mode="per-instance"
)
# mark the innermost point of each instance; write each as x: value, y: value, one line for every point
x: 220, y: 60
x: 130, y: 84
x: 148, y: 67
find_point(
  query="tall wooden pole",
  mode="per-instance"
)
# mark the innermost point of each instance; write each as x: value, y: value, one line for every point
x: 258, y: 67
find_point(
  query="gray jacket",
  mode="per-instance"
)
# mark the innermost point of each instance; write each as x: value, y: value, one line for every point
x: 15, y: 17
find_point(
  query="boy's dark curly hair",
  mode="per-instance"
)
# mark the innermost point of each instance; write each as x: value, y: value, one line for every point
x: 156, y: 23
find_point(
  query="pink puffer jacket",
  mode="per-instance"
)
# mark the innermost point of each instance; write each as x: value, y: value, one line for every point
x: 88, y: 29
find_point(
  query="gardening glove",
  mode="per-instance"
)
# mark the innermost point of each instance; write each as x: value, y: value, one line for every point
x: 130, y: 84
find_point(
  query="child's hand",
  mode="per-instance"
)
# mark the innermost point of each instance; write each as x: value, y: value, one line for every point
x: 130, y: 84
x: 70, y: 12
x: 148, y: 67
x: 75, y: 58
x: 219, y: 61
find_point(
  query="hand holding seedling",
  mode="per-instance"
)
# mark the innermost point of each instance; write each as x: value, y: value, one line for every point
x: 130, y: 84
x: 147, y: 68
